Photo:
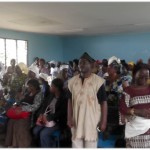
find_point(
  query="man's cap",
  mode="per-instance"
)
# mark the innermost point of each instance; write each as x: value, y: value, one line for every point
x: 86, y: 56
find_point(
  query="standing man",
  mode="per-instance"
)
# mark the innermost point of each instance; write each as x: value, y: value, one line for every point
x: 87, y: 105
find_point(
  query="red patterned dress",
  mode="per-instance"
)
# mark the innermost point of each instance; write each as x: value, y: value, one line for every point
x: 137, y: 131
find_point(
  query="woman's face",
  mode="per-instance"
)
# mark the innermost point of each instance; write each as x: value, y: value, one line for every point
x: 111, y: 70
x: 31, y: 88
x: 142, y: 77
x: 53, y: 88
x: 41, y: 63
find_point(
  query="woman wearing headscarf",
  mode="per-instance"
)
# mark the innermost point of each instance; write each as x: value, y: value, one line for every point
x: 135, y: 106
x: 115, y: 84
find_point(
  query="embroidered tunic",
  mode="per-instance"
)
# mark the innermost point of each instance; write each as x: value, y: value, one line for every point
x: 86, y: 109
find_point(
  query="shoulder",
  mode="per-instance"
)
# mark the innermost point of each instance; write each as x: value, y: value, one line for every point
x: 129, y: 89
x: 39, y: 94
x: 73, y: 79
x: 98, y: 79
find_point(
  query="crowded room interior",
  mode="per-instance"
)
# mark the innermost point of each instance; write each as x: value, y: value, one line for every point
x: 74, y: 74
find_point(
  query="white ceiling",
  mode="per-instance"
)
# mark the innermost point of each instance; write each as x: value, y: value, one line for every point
x: 75, y: 18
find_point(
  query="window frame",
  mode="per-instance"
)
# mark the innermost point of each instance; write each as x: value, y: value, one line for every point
x: 26, y: 42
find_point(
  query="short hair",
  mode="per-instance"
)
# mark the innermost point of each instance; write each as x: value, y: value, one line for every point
x: 105, y: 62
x: 13, y: 60
x: 71, y: 63
x: 76, y: 61
x: 58, y: 83
x: 36, y: 58
x: 42, y: 60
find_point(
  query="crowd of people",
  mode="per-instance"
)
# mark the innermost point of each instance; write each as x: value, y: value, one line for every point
x: 80, y: 99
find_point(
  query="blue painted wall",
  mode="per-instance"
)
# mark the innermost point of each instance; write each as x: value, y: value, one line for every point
x: 128, y: 46
x: 43, y: 46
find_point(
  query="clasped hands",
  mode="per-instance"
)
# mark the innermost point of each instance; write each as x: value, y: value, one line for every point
x: 42, y: 119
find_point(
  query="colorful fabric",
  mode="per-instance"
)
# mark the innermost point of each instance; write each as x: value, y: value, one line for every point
x: 18, y: 82
x: 138, y: 98
x: 36, y: 103
x: 142, y: 141
x: 114, y: 92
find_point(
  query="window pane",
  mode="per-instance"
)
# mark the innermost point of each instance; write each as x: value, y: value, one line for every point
x: 2, y: 51
x: 22, y: 51
x: 10, y: 50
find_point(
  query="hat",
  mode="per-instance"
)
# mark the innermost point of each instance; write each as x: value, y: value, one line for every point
x: 23, y: 67
x: 64, y: 67
x: 87, y: 57
x: 43, y: 76
x: 113, y: 59
x: 34, y: 69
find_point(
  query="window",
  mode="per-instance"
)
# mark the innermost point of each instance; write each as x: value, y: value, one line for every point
x: 13, y: 49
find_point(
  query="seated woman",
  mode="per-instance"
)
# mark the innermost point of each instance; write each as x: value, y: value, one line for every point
x: 53, y: 114
x: 18, y: 130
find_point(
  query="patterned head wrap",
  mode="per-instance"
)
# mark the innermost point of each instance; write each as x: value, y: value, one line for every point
x: 115, y: 63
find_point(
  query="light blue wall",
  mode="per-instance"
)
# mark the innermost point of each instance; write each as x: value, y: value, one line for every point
x: 128, y: 46
x: 43, y: 46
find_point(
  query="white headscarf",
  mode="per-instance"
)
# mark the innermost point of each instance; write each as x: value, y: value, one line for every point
x: 43, y: 76
x: 34, y: 69
x: 112, y: 59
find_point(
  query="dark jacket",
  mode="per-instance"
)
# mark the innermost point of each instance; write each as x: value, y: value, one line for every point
x: 60, y: 115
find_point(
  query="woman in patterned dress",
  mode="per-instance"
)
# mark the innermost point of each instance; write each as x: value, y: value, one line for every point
x: 135, y: 106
